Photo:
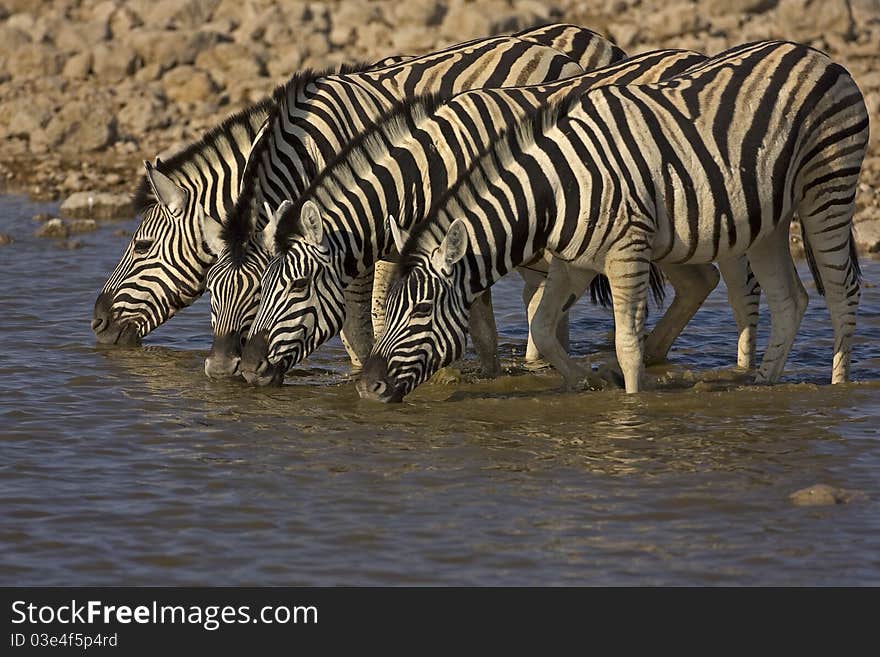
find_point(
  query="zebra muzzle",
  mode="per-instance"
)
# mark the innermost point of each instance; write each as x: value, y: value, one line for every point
x: 107, y: 329
x: 224, y: 360
x: 374, y: 383
x: 255, y: 366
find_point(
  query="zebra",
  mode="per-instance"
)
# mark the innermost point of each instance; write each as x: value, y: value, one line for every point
x: 183, y: 202
x: 702, y: 167
x: 336, y: 231
x: 314, y: 118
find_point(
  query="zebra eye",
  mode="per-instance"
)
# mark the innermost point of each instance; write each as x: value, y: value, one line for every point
x: 299, y: 284
x: 142, y: 246
x: 423, y: 309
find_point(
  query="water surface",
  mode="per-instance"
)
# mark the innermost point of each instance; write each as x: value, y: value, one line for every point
x: 128, y: 466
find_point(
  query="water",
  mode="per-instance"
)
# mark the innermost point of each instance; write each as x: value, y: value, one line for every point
x: 131, y: 467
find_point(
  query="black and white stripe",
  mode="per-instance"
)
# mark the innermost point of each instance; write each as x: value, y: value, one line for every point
x: 315, y: 116
x: 399, y: 167
x: 165, y: 264
x: 707, y: 166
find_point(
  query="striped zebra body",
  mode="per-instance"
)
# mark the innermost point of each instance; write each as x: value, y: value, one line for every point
x: 400, y: 166
x: 165, y: 265
x: 315, y: 117
x: 704, y: 167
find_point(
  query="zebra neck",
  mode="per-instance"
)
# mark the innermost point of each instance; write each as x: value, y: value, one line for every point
x: 211, y: 168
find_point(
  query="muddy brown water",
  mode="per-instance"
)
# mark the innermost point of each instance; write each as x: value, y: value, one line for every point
x: 128, y: 466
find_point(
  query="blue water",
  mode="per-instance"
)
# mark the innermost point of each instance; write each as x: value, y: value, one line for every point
x: 128, y: 466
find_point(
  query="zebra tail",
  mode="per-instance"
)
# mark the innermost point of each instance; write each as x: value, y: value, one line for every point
x: 658, y: 285
x: 600, y: 291
x: 600, y: 288
x: 854, y: 257
x: 811, y: 261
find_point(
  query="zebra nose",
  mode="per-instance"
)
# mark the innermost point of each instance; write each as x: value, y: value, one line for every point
x: 255, y: 366
x: 374, y: 384
x: 101, y: 314
x: 224, y: 360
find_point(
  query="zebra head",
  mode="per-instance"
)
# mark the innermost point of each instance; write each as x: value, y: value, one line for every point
x: 302, y: 304
x: 426, y: 319
x: 234, y: 287
x: 162, y: 270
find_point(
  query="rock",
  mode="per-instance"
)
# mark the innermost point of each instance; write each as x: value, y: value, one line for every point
x: 825, y: 495
x: 78, y: 37
x: 805, y: 20
x: 52, y: 228
x: 97, y: 205
x: 421, y: 14
x: 6, y: 239
x: 229, y: 62
x: 102, y: 11
x: 78, y: 66
x: 447, y: 376
x: 78, y: 226
x: 11, y: 39
x: 316, y: 45
x: 343, y: 35
x: 112, y: 62
x: 284, y: 62
x: 123, y: 20
x: 673, y: 20
x: 35, y: 60
x: 461, y: 22
x: 26, y: 119
x: 192, y: 14
x: 624, y: 34
x: 188, y: 84
x: 168, y: 48
x: 407, y: 39
x: 866, y: 230
x: 41, y: 217
x: 82, y: 126
x: 719, y: 7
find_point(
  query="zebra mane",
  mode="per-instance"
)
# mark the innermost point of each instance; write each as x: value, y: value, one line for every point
x: 143, y: 197
x: 357, y: 156
x: 239, y: 226
x: 500, y: 152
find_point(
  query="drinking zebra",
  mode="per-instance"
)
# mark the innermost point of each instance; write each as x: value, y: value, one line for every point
x: 703, y: 167
x: 315, y: 117
x: 401, y: 166
x: 165, y: 265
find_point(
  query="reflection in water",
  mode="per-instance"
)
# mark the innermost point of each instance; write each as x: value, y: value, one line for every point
x: 131, y: 467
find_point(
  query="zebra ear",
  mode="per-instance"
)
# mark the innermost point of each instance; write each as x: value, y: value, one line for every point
x: 211, y: 231
x: 270, y: 231
x: 452, y: 248
x: 399, y: 234
x: 310, y: 223
x: 166, y: 191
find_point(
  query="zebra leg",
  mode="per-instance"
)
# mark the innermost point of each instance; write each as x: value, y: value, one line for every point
x: 692, y: 284
x: 531, y: 296
x: 629, y: 279
x: 831, y: 253
x: 564, y: 285
x: 484, y: 334
x: 534, y: 276
x: 357, y: 330
x: 382, y: 280
x: 744, y: 296
x: 771, y: 261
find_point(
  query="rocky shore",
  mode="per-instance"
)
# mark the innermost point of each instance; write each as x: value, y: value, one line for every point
x: 89, y: 88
